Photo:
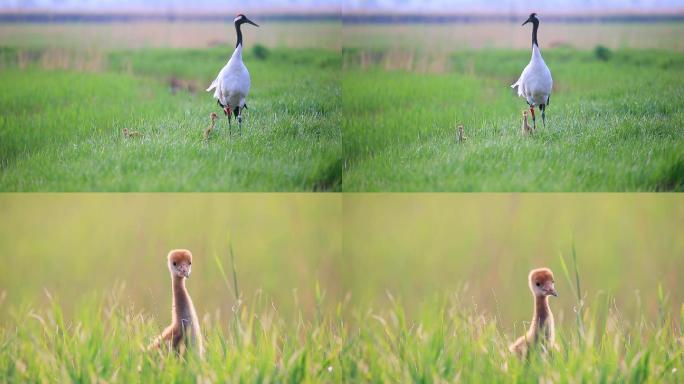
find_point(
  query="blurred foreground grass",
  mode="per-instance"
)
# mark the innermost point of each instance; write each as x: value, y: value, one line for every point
x: 448, y: 341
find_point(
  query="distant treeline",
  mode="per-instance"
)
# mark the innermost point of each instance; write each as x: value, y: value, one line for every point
x: 388, y: 18
x: 62, y: 17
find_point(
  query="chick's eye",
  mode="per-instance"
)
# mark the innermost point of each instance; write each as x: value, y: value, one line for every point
x: 190, y: 263
x: 174, y: 263
x: 538, y: 284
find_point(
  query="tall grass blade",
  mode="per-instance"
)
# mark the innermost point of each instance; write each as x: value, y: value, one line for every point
x: 576, y: 288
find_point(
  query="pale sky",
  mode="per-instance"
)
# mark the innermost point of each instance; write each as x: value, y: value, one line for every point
x: 168, y: 4
x: 350, y: 5
x: 509, y: 5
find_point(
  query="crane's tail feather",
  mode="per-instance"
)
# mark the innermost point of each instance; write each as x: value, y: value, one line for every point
x: 212, y: 86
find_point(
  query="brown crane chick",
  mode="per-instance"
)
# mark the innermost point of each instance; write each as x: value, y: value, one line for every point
x: 128, y: 133
x: 184, y: 331
x: 209, y: 129
x: 526, y: 129
x: 460, y: 135
x: 542, y: 327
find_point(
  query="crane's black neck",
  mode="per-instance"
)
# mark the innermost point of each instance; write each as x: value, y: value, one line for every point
x: 535, y: 27
x: 239, y: 34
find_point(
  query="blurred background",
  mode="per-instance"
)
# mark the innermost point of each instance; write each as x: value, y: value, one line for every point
x: 357, y: 247
x: 503, y: 6
x: 421, y: 35
x: 482, y: 246
x: 80, y: 245
x: 92, y: 28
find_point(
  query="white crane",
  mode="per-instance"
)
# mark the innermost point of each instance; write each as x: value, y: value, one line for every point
x: 535, y: 82
x: 232, y: 83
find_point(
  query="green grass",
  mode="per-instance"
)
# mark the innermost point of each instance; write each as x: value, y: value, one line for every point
x: 452, y: 341
x: 104, y: 341
x: 61, y: 130
x: 612, y: 125
x: 448, y: 341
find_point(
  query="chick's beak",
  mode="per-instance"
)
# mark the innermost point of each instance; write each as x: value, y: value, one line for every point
x: 184, y: 271
x: 552, y: 291
x: 549, y: 289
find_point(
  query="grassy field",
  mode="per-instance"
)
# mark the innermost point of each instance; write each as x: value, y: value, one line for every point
x: 614, y: 122
x: 354, y: 288
x: 61, y: 125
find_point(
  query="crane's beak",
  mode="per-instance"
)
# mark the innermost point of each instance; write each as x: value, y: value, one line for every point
x: 251, y: 22
x: 527, y: 21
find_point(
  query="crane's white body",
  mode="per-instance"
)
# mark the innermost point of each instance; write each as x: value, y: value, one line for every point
x: 535, y: 82
x: 231, y: 86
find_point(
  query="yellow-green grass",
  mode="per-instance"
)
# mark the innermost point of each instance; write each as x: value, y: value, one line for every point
x: 614, y: 123
x: 450, y: 341
x: 61, y: 129
x: 106, y: 338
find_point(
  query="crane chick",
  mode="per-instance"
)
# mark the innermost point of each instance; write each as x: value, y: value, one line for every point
x: 209, y: 129
x: 128, y: 133
x: 526, y: 129
x: 541, y: 330
x: 460, y: 135
x: 184, y: 331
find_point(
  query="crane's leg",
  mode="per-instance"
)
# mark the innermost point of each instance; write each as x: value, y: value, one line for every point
x: 239, y: 119
x: 543, y: 109
x: 534, y: 120
x: 228, y: 113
